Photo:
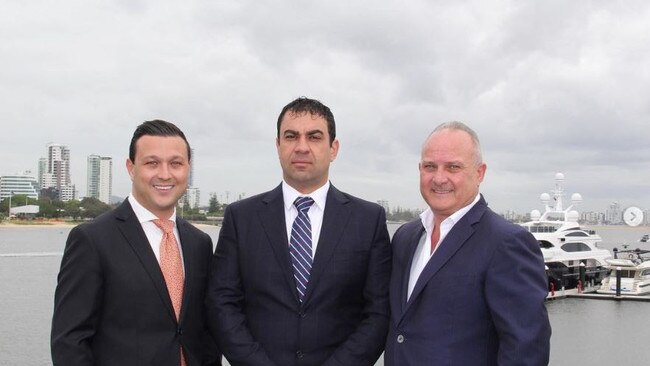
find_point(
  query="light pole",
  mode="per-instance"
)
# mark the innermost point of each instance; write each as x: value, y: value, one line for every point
x: 10, y: 194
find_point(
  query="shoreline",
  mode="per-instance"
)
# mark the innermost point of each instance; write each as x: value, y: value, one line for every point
x: 54, y: 224
x: 64, y: 224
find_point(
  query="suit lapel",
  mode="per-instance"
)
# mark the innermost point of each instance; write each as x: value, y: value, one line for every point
x: 186, y: 237
x: 271, y: 215
x: 132, y: 232
x: 454, y: 240
x: 335, y: 218
x: 411, y: 246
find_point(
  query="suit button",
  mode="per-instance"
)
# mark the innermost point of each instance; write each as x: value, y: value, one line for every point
x: 179, y: 331
x: 400, y: 339
x: 302, y: 314
x: 299, y: 354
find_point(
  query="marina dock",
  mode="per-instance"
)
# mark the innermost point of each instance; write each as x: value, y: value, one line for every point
x: 590, y: 293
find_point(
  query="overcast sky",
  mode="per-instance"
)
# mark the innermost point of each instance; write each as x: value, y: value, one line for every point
x: 549, y: 86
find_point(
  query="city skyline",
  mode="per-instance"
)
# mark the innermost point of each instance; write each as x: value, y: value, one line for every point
x: 549, y: 87
x: 195, y: 198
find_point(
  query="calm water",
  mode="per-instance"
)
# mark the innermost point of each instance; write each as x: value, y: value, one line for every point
x: 593, y: 332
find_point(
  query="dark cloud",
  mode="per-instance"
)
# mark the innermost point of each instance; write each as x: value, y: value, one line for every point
x: 549, y: 87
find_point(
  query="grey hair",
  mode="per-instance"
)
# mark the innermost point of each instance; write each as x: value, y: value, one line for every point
x: 460, y: 126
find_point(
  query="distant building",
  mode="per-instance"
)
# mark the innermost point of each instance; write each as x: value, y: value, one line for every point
x: 192, y: 196
x: 22, y: 183
x: 28, y: 212
x: 614, y: 214
x: 100, y: 178
x: 54, y: 171
x: 591, y: 217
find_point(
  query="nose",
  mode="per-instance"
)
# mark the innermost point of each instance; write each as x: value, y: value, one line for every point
x: 302, y: 145
x: 164, y: 171
x: 439, y: 176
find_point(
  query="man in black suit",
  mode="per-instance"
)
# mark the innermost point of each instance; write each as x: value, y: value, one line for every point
x: 302, y: 283
x: 128, y: 293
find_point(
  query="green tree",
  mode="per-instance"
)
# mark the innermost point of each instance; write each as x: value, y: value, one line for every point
x: 213, y: 205
x: 92, y: 207
x: 73, y: 209
x: 49, y: 208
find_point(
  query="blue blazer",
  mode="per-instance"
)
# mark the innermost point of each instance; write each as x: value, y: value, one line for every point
x: 479, y: 300
x: 253, y: 307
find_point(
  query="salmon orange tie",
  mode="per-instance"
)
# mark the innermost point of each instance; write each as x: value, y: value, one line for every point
x: 435, y: 236
x: 172, y: 267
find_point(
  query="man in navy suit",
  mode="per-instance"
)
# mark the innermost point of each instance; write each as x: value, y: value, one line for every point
x: 467, y: 287
x: 122, y: 298
x: 325, y: 305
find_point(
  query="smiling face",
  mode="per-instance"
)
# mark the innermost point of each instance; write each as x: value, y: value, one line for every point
x: 450, y: 174
x: 159, y: 173
x: 304, y: 150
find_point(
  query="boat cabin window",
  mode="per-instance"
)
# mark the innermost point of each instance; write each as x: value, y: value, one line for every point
x: 646, y: 272
x: 543, y: 229
x: 575, y: 247
x: 577, y: 233
x: 545, y: 244
x: 627, y: 274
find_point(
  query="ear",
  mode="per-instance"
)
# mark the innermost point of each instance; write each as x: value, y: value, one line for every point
x: 334, y: 149
x: 130, y: 167
x: 481, y: 172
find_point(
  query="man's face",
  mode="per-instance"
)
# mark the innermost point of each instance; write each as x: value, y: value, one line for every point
x: 159, y: 173
x: 449, y: 173
x: 304, y: 151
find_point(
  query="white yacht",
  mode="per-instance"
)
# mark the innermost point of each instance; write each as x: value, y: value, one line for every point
x: 634, y: 268
x: 567, y: 247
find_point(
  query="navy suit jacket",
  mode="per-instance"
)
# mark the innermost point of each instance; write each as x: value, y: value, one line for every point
x: 253, y: 305
x: 112, y: 307
x: 479, y: 300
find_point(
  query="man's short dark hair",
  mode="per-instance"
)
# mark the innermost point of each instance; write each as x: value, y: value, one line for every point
x: 313, y: 107
x: 157, y: 127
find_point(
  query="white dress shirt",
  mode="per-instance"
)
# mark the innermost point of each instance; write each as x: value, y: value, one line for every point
x: 315, y: 211
x: 154, y: 233
x: 423, y: 252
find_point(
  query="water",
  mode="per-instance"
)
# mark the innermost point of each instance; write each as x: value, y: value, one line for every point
x: 594, y: 332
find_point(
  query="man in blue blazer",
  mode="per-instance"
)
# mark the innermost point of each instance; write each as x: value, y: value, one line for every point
x: 115, y: 303
x: 298, y: 283
x: 467, y: 287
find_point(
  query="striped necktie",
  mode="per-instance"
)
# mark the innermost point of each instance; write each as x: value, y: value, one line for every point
x: 300, y: 245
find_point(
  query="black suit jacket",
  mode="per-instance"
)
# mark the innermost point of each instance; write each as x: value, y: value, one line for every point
x: 253, y: 305
x: 111, y: 305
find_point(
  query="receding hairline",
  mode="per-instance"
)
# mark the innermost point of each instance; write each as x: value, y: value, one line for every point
x: 459, y: 126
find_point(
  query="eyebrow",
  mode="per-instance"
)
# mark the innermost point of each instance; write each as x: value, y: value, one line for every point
x: 310, y: 132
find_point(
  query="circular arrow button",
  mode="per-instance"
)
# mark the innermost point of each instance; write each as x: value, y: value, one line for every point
x: 633, y: 216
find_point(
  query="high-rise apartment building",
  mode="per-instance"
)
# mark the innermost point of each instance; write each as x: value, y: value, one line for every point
x: 100, y: 178
x: 20, y: 183
x: 192, y: 196
x: 54, y: 171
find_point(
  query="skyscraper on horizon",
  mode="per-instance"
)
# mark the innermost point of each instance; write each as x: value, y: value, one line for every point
x: 100, y: 178
x: 54, y: 171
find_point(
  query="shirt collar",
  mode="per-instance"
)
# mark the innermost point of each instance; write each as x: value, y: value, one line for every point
x: 427, y: 216
x: 290, y: 194
x: 143, y: 214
